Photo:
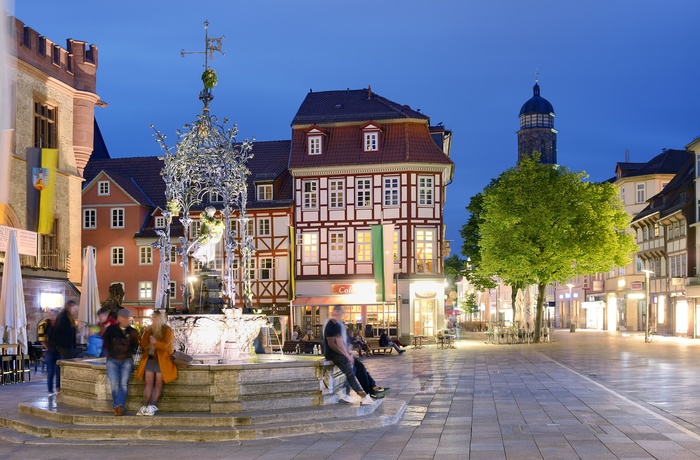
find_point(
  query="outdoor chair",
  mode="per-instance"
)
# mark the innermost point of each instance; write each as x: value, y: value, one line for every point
x: 7, y: 364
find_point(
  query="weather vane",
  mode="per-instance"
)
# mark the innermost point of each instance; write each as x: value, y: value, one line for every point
x: 209, y: 77
x: 210, y: 45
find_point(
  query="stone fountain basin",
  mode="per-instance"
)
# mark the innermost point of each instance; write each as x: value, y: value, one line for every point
x: 275, y: 382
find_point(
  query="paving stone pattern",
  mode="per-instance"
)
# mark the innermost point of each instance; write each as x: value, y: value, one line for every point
x: 588, y: 395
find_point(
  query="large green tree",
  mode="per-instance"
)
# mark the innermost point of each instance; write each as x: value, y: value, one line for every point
x: 543, y: 224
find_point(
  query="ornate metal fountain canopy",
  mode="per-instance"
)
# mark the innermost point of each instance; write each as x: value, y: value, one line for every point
x: 207, y: 161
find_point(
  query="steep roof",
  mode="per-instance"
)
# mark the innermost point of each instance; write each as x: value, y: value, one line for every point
x: 140, y: 176
x: 673, y: 197
x: 669, y: 161
x: 350, y: 105
x: 399, y: 143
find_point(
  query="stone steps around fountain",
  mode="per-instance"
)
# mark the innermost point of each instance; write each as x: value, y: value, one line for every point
x: 46, y: 419
x: 217, y: 389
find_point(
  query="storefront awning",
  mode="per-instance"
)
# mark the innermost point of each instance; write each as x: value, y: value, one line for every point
x: 328, y: 300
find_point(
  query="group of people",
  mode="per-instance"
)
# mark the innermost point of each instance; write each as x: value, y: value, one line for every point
x: 120, y: 341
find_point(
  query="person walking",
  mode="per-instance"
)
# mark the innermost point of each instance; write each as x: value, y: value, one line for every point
x: 64, y: 331
x: 121, y: 341
x: 335, y: 349
x: 53, y: 373
x: 155, y: 367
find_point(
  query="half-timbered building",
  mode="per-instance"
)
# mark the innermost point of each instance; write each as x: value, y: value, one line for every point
x: 122, y: 212
x: 359, y: 160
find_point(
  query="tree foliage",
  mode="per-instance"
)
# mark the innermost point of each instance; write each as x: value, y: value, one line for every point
x: 543, y: 224
x: 470, y: 245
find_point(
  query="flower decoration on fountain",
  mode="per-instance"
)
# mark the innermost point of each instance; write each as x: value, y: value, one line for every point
x: 211, y: 231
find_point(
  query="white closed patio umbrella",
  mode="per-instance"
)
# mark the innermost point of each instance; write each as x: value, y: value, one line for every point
x: 90, y: 295
x: 13, y: 313
x: 161, y: 302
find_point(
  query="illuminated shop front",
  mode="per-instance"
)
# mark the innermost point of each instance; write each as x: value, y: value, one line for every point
x: 310, y: 312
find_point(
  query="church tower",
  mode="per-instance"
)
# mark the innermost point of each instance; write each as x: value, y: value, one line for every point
x: 537, y: 131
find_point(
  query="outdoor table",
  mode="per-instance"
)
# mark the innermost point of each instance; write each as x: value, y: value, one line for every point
x: 446, y: 341
x: 6, y: 346
x: 418, y: 341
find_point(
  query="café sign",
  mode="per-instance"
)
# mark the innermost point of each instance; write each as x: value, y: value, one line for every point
x: 349, y: 289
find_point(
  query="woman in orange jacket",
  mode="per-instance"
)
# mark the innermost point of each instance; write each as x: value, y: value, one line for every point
x: 155, y: 366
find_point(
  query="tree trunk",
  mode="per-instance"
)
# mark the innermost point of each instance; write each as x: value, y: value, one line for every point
x: 540, y: 308
x: 513, y: 296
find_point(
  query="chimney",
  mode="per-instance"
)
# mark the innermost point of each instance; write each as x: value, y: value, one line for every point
x: 369, y: 92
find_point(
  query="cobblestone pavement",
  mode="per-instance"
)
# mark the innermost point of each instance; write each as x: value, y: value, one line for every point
x: 590, y: 395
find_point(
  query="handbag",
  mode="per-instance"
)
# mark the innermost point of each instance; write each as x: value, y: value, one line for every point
x: 181, y: 360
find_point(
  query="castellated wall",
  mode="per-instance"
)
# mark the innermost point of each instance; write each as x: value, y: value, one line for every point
x: 75, y: 65
x: 63, y: 78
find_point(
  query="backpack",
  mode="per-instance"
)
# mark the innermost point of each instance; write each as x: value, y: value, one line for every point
x: 94, y: 345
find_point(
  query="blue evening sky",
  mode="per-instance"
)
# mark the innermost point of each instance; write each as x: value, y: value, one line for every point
x: 621, y: 74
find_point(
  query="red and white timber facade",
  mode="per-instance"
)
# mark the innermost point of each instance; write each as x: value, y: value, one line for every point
x: 360, y: 160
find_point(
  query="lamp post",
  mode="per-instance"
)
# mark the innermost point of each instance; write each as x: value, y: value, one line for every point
x: 572, y: 324
x: 647, y: 273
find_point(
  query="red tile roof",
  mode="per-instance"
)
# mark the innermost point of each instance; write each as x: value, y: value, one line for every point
x: 399, y: 143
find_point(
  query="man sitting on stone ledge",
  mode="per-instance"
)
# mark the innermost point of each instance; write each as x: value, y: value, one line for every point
x: 121, y: 341
x: 335, y: 349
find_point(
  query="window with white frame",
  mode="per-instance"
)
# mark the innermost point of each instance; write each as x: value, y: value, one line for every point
x: 250, y: 227
x: 234, y: 268
x: 363, y: 192
x: 678, y: 265
x: 89, y: 219
x: 117, y: 218
x: 363, y: 246
x: 371, y: 141
x: 264, y: 228
x: 195, y: 227
x: 145, y: 255
x: 103, y: 188
x: 645, y: 233
x: 266, y: 268
x: 160, y: 222
x: 425, y: 250
x: 309, y: 248
x: 336, y: 247
x: 117, y: 255
x: 251, y: 269
x: 425, y: 190
x: 310, y: 194
x: 315, y: 145
x: 336, y: 193
x: 215, y: 197
x: 264, y: 192
x: 173, y: 254
x: 396, y: 245
x: 622, y: 195
x: 173, y: 290
x: 641, y: 193
x: 391, y: 191
x: 145, y: 290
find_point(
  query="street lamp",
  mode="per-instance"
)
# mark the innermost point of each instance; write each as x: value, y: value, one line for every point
x: 572, y: 323
x: 647, y: 273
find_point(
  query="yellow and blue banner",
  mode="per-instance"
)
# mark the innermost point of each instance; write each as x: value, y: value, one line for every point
x: 41, y: 189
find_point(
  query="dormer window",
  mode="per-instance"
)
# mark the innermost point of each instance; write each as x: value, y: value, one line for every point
x: 314, y: 142
x: 371, y: 138
x: 160, y: 222
x: 264, y: 192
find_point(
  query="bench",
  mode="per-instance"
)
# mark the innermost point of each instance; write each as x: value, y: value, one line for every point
x: 376, y: 349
